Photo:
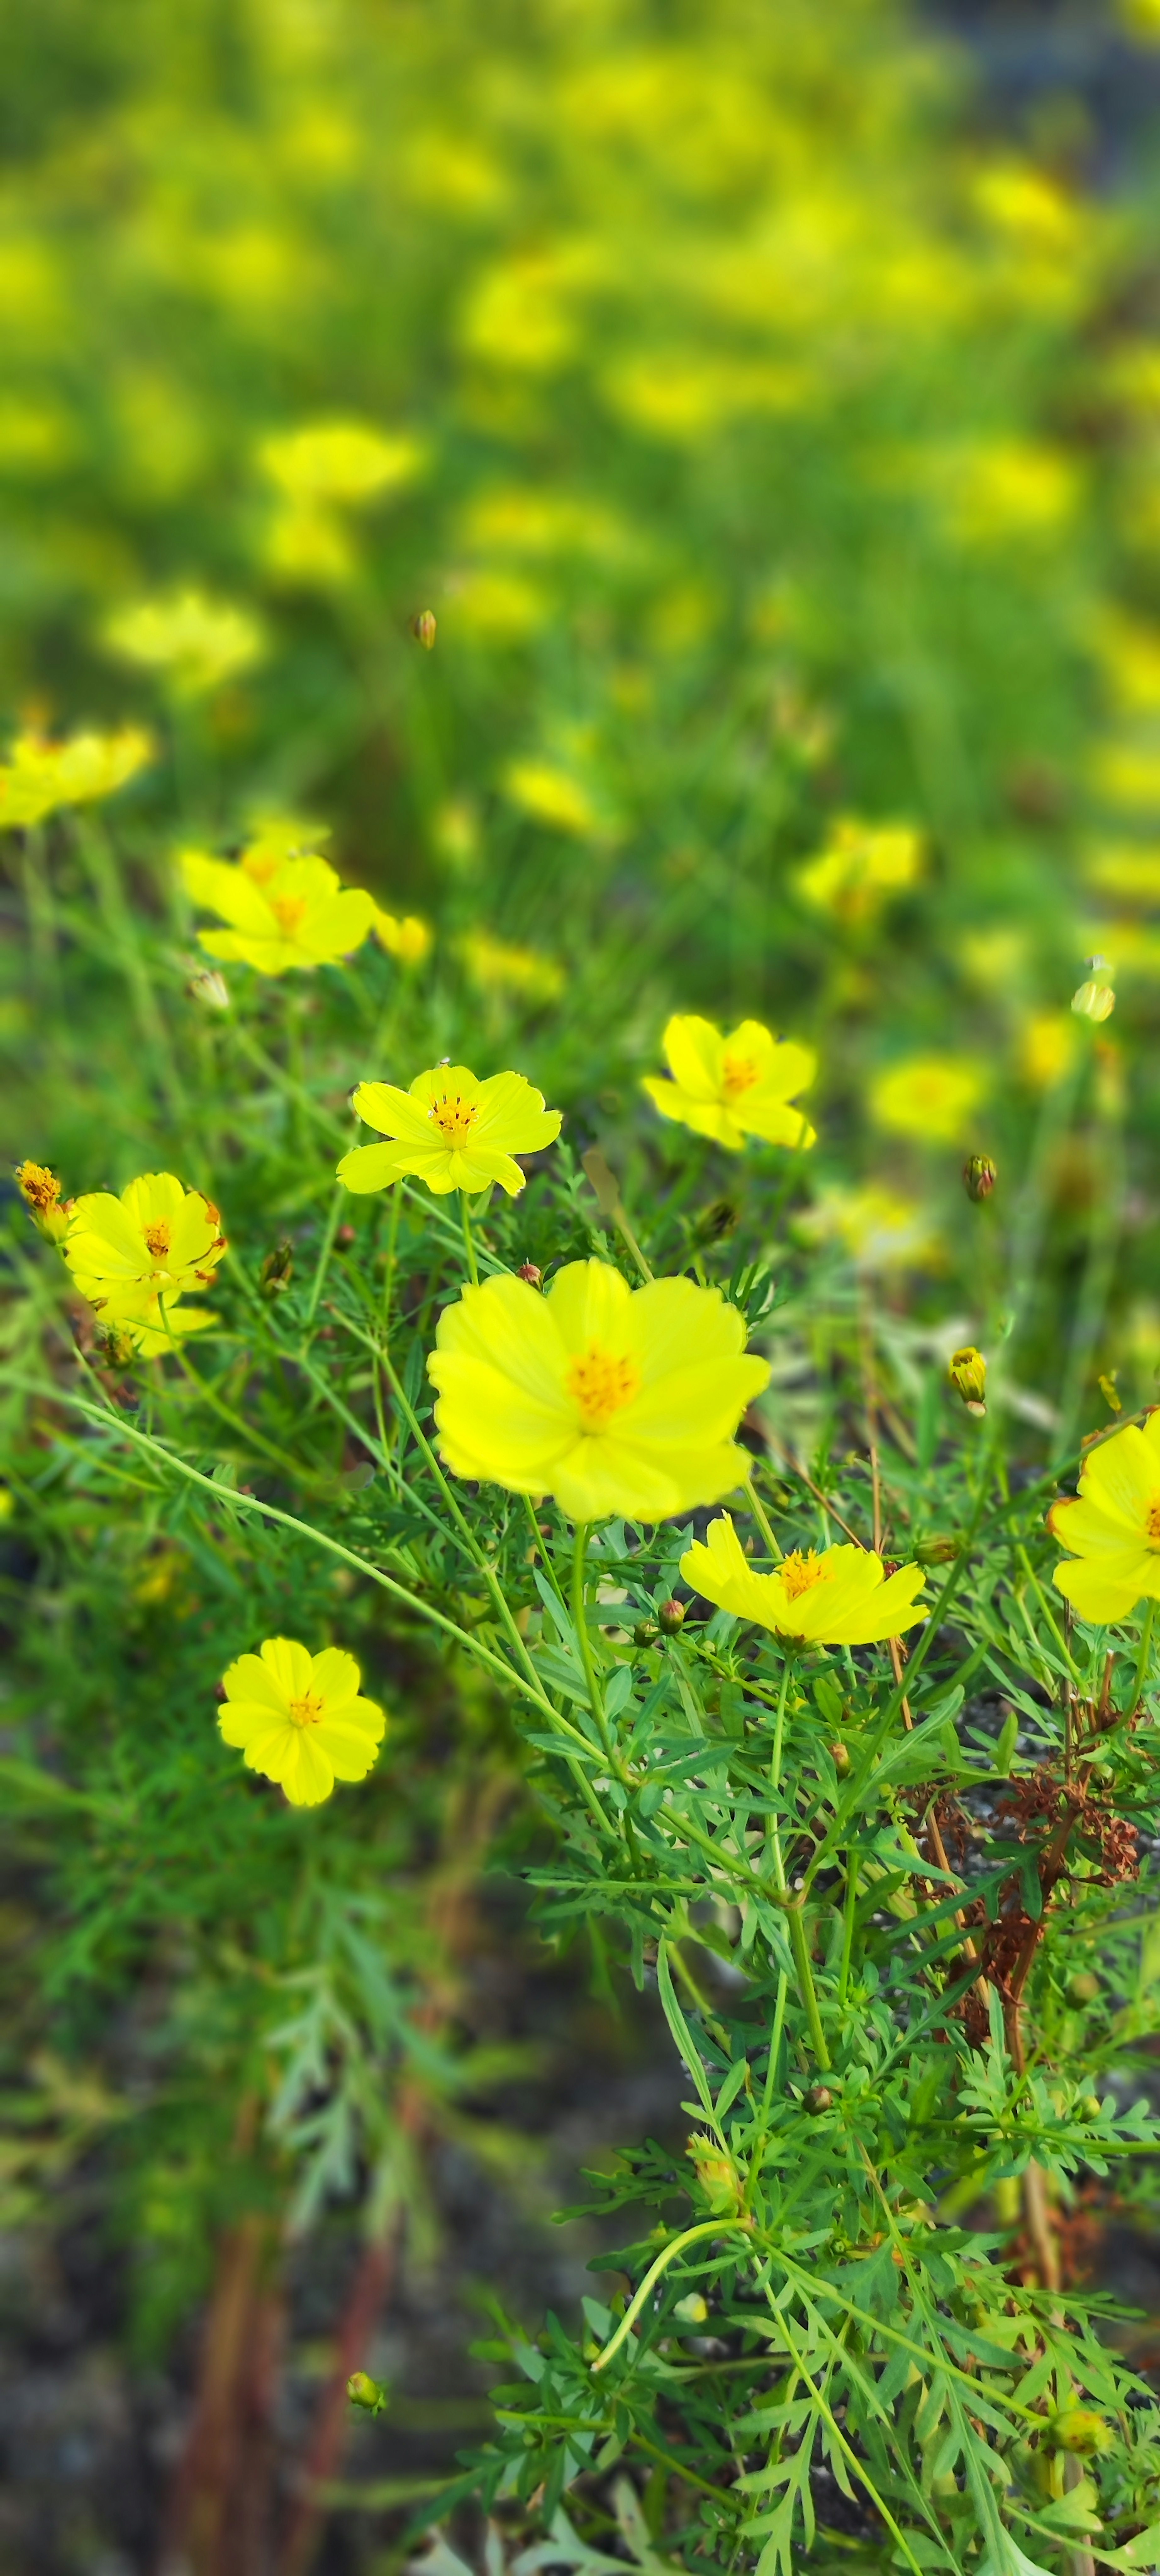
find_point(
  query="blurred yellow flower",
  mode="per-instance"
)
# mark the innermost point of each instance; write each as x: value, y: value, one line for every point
x: 339, y: 461
x: 611, y: 1398
x: 451, y: 1130
x: 1121, y: 868
x: 195, y: 642
x: 283, y: 912
x: 1007, y: 488
x: 1127, y: 775
x: 1129, y: 655
x: 40, y: 1190
x: 879, y: 1228
x: 550, y: 796
x: 308, y: 545
x: 932, y: 1097
x: 299, y: 1718
x: 1027, y: 206
x: 154, y: 1242
x: 496, y: 605
x: 860, y: 867
x: 735, y: 1086
x: 39, y: 777
x: 844, y: 1597
x: 496, y: 967
x: 408, y: 939
x: 1046, y: 1048
x: 1113, y: 1528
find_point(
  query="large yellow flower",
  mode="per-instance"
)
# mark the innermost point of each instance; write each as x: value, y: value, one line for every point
x: 611, y: 1398
x: 282, y: 911
x: 450, y: 1130
x: 844, y: 1597
x: 1113, y: 1528
x: 736, y: 1086
x: 298, y: 1718
x: 154, y: 1242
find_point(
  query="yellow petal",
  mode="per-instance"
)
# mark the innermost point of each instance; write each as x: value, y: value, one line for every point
x: 1121, y: 1477
x: 694, y: 1053
x: 290, y: 1665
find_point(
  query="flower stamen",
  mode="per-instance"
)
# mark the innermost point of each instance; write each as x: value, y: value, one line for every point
x: 800, y: 1573
x: 157, y: 1240
x: 740, y: 1074
x: 307, y: 1710
x: 454, y: 1117
x: 602, y: 1383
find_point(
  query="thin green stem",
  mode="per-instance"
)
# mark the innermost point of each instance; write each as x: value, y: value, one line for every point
x: 325, y: 1249
x: 1144, y: 1656
x: 772, y: 1828
x: 691, y: 2236
x: 584, y: 1641
x: 761, y: 1516
x: 392, y: 1240
x: 806, y: 1987
x: 537, y: 1538
x: 849, y: 1916
x: 468, y: 1244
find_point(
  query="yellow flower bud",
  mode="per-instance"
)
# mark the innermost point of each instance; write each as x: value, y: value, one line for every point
x: 40, y: 1191
x: 423, y: 628
x: 967, y: 1372
x: 979, y: 1176
x: 717, y: 2175
x: 1079, y: 2428
x: 367, y: 2393
x: 1094, y: 1000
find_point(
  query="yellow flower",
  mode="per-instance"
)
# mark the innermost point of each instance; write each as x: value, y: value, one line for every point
x: 39, y: 776
x: 409, y: 939
x: 199, y: 642
x: 879, y: 1229
x: 1046, y: 1048
x: 930, y: 1096
x: 551, y: 796
x: 339, y: 461
x: 156, y: 1241
x: 497, y: 968
x: 1113, y: 1528
x: 299, y: 1720
x: 450, y: 1130
x: 283, y: 912
x: 861, y: 866
x: 40, y: 1190
x: 611, y: 1398
x: 844, y: 1597
x: 731, y: 1087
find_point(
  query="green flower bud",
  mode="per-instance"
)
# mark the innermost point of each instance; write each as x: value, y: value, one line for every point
x: 424, y: 630
x: 967, y: 1372
x: 671, y: 1615
x: 367, y: 2393
x: 979, y: 1176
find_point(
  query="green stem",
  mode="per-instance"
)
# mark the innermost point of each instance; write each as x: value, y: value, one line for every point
x: 773, y: 1829
x: 848, y: 1920
x: 325, y: 1249
x: 1144, y: 1656
x: 623, y: 1227
x: 392, y: 1240
x: 540, y: 1549
x: 691, y: 2236
x: 469, y: 1247
x: 761, y: 1516
x: 584, y: 1641
x: 806, y: 1987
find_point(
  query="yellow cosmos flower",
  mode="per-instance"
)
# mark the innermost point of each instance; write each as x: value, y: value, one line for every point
x: 196, y: 642
x: 408, y: 939
x: 613, y: 1399
x: 283, y: 911
x: 860, y: 868
x: 156, y: 1241
x: 298, y: 1718
x: 1113, y: 1528
x: 844, y: 1597
x: 38, y: 777
x: 450, y: 1130
x: 339, y: 461
x: 929, y: 1096
x: 736, y: 1086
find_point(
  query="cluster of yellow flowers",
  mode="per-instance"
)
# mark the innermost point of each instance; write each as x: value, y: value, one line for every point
x: 40, y: 777
x: 286, y: 908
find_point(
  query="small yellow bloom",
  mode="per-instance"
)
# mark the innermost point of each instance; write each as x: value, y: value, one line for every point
x: 844, y: 1597
x: 197, y: 642
x: 155, y: 1242
x: 1047, y: 1046
x: 339, y: 461
x: 451, y: 1130
x: 1094, y: 1000
x: 879, y: 1229
x: 40, y: 1191
x: 731, y: 1087
x: 929, y: 1096
x: 551, y: 796
x: 967, y: 1371
x: 861, y: 866
x: 408, y: 939
x: 38, y: 776
x: 299, y: 1719
x: 495, y: 967
x: 1113, y: 1527
x: 283, y: 911
x: 611, y: 1398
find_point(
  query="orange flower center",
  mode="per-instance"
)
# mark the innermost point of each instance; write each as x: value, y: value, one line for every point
x: 260, y: 866
x: 1152, y: 1521
x: 307, y: 1710
x: 800, y: 1573
x: 454, y: 1117
x: 289, y: 912
x: 157, y: 1239
x: 740, y: 1074
x: 602, y: 1382
x: 40, y: 1187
